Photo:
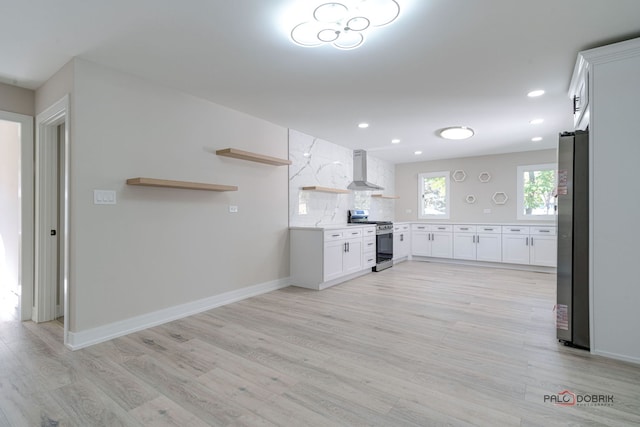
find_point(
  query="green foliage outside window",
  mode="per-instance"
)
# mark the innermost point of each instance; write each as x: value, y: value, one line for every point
x: 538, y: 191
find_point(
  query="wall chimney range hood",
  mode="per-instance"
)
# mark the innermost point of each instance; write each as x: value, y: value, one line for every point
x: 360, y: 182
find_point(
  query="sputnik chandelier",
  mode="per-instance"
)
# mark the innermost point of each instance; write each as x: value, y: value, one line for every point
x: 344, y: 24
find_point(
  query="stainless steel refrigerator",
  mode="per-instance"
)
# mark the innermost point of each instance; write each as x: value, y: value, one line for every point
x: 572, y: 310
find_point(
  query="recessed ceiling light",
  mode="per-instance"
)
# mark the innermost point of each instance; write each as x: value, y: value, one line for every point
x: 536, y: 138
x: 307, y: 154
x: 536, y: 121
x: 417, y: 153
x: 395, y: 141
x: 363, y: 125
x: 535, y: 93
x: 456, y: 132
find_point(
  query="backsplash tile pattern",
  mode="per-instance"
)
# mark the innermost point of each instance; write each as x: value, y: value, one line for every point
x: 322, y: 163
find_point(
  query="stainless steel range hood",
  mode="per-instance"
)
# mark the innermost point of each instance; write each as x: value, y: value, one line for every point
x: 360, y: 182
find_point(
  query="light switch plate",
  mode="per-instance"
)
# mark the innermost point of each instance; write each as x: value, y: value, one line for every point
x: 104, y: 197
x: 233, y: 209
x: 487, y: 211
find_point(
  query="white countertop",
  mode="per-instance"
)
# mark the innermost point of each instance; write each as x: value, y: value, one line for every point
x: 345, y: 225
x: 332, y: 227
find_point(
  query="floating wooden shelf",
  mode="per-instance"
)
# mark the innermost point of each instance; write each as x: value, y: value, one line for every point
x: 326, y: 190
x: 381, y: 196
x: 153, y: 182
x: 253, y: 157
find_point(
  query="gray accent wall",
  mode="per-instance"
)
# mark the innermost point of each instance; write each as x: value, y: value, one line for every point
x: 159, y: 247
x: 503, y: 171
x: 17, y: 100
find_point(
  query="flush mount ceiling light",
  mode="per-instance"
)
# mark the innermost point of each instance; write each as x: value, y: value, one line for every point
x: 417, y: 153
x: 536, y: 138
x: 456, y: 132
x: 395, y: 141
x: 536, y: 121
x: 363, y: 125
x: 344, y: 24
x: 535, y: 93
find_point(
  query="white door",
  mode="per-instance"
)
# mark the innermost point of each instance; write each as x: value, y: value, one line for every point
x: 420, y: 243
x: 544, y: 250
x: 352, y: 258
x: 464, y: 246
x: 515, y: 249
x: 489, y: 247
x: 333, y: 251
x: 442, y: 245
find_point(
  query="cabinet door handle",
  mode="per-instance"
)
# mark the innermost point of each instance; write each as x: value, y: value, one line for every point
x: 527, y: 241
x: 532, y: 241
x: 474, y: 239
x: 488, y: 229
x: 433, y: 237
x: 420, y: 228
x: 544, y: 231
x: 515, y: 229
x: 477, y: 239
x: 464, y: 228
x: 335, y: 235
x: 402, y: 237
x: 344, y: 247
x: 441, y: 228
x: 348, y: 247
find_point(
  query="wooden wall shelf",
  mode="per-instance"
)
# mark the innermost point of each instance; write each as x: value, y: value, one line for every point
x: 381, y: 196
x: 326, y: 190
x: 153, y: 182
x: 252, y: 157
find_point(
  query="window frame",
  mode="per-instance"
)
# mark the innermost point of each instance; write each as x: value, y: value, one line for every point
x: 446, y: 175
x: 520, y: 191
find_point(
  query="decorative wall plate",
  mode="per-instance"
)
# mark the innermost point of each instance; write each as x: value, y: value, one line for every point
x: 471, y: 199
x: 459, y: 175
x: 500, y: 198
x: 484, y: 177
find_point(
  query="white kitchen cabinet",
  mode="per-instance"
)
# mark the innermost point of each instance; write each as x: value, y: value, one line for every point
x: 543, y: 246
x: 477, y: 243
x: 401, y: 242
x: 322, y: 258
x: 432, y: 240
x: 529, y: 246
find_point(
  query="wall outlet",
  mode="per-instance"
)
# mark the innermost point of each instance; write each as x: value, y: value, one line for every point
x: 233, y: 209
x: 104, y: 197
x: 487, y: 211
x: 408, y: 211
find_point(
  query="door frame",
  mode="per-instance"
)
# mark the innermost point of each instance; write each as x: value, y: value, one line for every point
x: 25, y: 212
x: 47, y: 124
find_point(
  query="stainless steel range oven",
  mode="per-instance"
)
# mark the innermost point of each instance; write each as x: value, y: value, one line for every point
x: 384, y: 237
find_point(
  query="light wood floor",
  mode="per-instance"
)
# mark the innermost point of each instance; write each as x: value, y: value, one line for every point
x: 420, y: 344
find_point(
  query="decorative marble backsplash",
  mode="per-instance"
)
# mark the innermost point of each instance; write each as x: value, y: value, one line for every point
x: 322, y: 163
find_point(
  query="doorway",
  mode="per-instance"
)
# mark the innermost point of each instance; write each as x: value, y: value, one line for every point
x: 16, y: 216
x: 51, y: 215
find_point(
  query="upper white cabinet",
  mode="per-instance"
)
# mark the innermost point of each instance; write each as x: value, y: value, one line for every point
x: 579, y: 94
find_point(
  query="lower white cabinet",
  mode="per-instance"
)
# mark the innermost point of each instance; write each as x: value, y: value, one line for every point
x: 477, y: 243
x: 432, y: 240
x: 401, y: 242
x: 529, y: 245
x: 322, y: 258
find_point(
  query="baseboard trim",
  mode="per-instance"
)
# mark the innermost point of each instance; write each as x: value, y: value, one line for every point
x: 82, y: 339
x: 502, y: 265
x: 621, y: 357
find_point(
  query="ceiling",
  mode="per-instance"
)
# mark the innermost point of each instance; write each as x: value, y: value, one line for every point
x: 442, y: 63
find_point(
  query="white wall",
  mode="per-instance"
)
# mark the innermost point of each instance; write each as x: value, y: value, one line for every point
x: 157, y: 247
x: 9, y: 205
x: 331, y: 165
x: 17, y: 100
x: 503, y: 171
x: 615, y: 207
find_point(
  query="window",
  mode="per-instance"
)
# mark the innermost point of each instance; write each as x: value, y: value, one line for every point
x: 433, y: 195
x: 536, y: 191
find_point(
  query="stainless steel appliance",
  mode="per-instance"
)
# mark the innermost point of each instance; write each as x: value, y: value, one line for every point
x: 572, y: 317
x: 360, y: 182
x: 384, y: 237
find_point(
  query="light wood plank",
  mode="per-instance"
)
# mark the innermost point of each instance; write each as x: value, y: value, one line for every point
x: 252, y: 157
x: 186, y: 185
x: 418, y: 344
x: 326, y: 189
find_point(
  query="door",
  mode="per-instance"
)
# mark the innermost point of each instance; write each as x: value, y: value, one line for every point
x: 515, y: 249
x: 489, y: 247
x: 464, y: 246
x: 352, y: 257
x: 333, y: 251
x: 420, y: 243
x: 543, y: 250
x: 442, y: 245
